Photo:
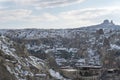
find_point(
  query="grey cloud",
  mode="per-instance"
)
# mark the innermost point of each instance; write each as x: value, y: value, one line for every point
x: 46, y: 3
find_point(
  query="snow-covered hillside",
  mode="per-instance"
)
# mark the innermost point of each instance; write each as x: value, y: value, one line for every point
x: 53, y: 33
x: 71, y: 47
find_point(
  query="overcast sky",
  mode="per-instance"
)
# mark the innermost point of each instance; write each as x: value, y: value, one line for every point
x: 47, y: 14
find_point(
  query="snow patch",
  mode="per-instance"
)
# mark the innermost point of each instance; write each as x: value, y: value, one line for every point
x: 113, y: 46
x: 55, y: 74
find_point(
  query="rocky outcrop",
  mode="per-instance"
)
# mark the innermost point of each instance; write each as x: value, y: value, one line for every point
x: 106, y: 42
x: 17, y: 64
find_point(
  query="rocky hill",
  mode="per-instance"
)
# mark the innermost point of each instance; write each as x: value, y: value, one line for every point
x: 93, y: 45
x: 17, y: 64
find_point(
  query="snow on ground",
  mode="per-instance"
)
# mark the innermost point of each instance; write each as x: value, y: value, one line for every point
x: 59, y: 61
x: 5, y: 46
x: 114, y: 46
x: 36, y: 47
x: 41, y: 75
x: 80, y: 62
x: 37, y: 60
x: 70, y: 70
x: 93, y: 59
x: 56, y: 75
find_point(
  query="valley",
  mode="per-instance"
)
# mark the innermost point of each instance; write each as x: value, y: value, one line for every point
x: 87, y: 53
